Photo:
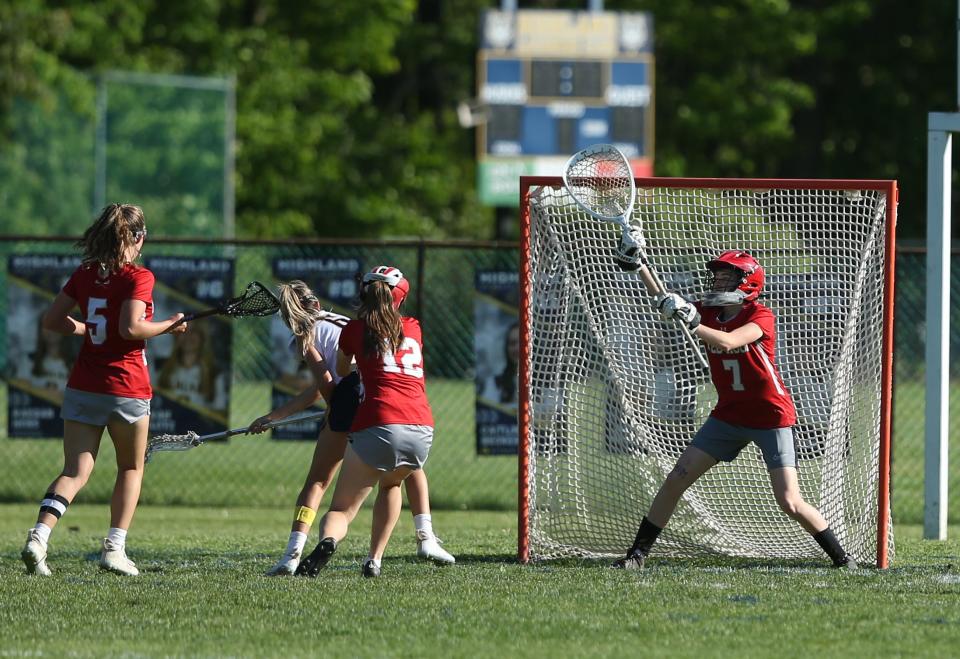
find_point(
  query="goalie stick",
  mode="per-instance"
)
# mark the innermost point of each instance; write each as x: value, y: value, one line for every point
x: 257, y: 300
x: 191, y: 439
x: 601, y: 183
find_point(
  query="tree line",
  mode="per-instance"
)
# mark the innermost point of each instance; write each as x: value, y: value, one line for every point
x: 346, y: 111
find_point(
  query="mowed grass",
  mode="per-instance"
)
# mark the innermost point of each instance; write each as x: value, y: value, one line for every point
x: 203, y: 593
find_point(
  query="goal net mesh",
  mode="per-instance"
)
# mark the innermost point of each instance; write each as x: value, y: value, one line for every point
x: 615, y: 394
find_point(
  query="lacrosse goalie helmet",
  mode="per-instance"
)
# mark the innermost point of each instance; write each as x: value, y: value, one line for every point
x: 750, y: 282
x: 393, y: 278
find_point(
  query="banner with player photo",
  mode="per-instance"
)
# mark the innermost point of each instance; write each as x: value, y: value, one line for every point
x: 191, y: 372
x: 497, y: 349
x: 334, y: 281
x: 38, y: 361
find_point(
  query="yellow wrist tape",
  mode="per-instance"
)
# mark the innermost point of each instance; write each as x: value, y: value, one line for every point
x: 305, y: 515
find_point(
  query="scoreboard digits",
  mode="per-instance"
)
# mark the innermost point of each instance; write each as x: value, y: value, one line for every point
x: 554, y: 82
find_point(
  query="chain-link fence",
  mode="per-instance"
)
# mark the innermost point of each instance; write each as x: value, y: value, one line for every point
x: 261, y: 471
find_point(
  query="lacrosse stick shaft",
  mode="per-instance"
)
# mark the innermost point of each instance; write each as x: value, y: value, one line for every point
x: 655, y: 287
x: 273, y: 424
x: 199, y: 314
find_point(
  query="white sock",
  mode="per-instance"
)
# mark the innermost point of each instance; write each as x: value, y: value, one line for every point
x: 44, y: 532
x: 373, y: 560
x: 117, y: 537
x: 296, y: 542
x: 423, y: 523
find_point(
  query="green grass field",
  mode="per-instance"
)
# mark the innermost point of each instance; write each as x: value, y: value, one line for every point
x: 202, y: 593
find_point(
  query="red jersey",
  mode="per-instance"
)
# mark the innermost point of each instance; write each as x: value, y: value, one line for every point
x: 393, y: 386
x: 108, y: 363
x: 750, y: 390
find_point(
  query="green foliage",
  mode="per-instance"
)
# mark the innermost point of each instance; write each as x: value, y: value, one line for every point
x: 345, y: 122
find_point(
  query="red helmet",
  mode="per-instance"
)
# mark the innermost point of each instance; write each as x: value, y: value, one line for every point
x: 751, y: 280
x: 393, y: 278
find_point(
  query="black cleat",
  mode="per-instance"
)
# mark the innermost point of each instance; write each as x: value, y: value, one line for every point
x: 847, y: 563
x: 371, y: 570
x: 632, y: 561
x: 314, y: 562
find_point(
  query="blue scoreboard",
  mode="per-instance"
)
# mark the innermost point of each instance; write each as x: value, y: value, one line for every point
x: 553, y: 82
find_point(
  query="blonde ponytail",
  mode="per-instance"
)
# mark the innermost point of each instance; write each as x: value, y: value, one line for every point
x: 299, y: 310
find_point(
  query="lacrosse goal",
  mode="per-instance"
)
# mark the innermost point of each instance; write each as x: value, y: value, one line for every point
x: 611, y: 395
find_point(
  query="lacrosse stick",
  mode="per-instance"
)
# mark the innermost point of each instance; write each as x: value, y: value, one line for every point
x: 600, y: 181
x: 191, y: 439
x: 257, y: 300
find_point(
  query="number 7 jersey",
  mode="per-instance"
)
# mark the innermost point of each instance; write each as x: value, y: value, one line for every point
x: 750, y: 391
x: 393, y: 385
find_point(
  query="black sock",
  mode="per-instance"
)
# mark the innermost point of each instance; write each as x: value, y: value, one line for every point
x: 647, y: 534
x: 828, y: 541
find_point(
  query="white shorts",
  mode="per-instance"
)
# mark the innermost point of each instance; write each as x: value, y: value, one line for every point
x: 97, y: 409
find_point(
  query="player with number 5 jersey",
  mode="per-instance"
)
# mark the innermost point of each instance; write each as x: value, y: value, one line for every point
x: 109, y: 386
x: 392, y: 432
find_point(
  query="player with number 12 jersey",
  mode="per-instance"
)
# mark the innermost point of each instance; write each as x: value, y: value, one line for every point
x: 108, y: 363
x: 393, y: 386
x: 750, y: 391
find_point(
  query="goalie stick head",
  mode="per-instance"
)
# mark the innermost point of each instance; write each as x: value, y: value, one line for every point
x: 746, y: 287
x: 393, y: 278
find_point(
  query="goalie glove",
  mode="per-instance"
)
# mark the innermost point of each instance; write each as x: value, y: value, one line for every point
x: 630, y: 252
x: 673, y: 306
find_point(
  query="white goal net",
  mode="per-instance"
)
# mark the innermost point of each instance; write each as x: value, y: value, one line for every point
x: 613, y: 395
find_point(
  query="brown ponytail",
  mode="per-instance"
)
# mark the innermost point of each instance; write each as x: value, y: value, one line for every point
x: 383, y: 330
x: 106, y: 241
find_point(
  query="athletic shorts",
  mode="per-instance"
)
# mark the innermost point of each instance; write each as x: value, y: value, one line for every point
x: 98, y: 409
x: 344, y: 402
x: 724, y: 442
x: 397, y: 445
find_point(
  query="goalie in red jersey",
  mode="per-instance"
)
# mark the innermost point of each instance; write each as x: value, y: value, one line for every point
x: 753, y: 403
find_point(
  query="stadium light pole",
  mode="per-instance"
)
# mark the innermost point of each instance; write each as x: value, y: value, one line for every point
x: 940, y: 129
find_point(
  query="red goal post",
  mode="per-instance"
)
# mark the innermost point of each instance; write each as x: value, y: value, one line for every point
x: 610, y: 396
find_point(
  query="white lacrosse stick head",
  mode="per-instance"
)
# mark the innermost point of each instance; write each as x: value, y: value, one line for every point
x: 600, y: 180
x: 172, y: 443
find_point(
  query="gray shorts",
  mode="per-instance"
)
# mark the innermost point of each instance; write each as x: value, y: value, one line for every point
x: 724, y: 442
x: 397, y: 445
x: 97, y: 409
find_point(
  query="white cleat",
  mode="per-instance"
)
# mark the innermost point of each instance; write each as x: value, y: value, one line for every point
x: 34, y: 555
x: 286, y: 566
x: 114, y: 559
x: 428, y: 546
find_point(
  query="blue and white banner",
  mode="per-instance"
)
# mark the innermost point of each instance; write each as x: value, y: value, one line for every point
x: 497, y: 349
x: 334, y: 280
x: 38, y: 361
x: 191, y: 372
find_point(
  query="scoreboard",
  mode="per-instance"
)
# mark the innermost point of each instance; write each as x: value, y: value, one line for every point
x: 553, y: 82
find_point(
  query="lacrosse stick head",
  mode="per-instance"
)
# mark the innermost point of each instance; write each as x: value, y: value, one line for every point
x: 172, y: 443
x: 600, y: 180
x: 257, y: 300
